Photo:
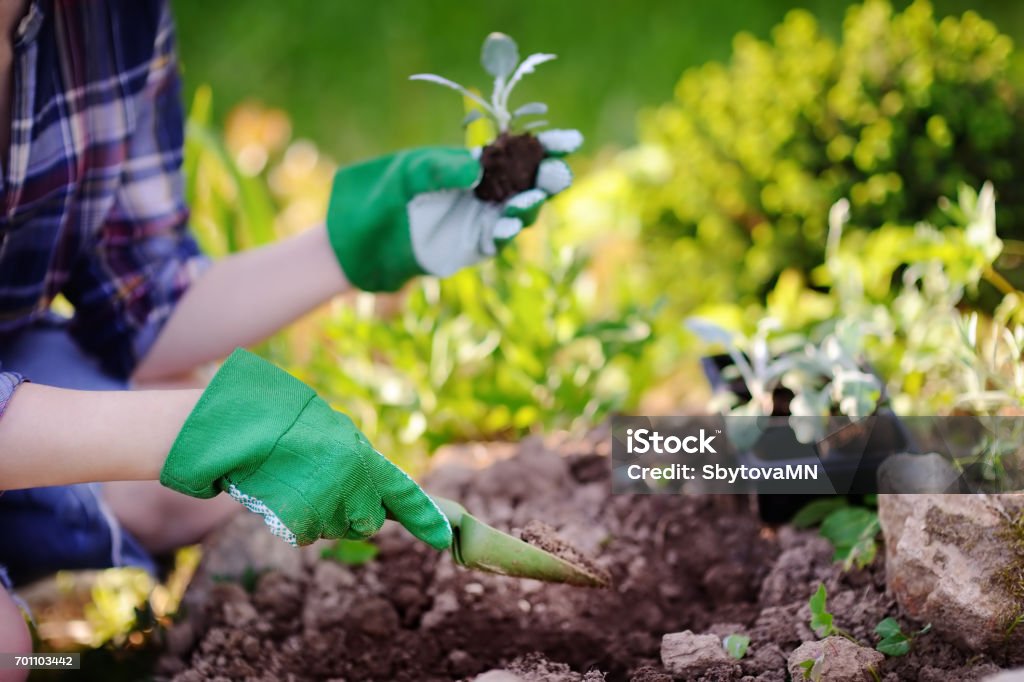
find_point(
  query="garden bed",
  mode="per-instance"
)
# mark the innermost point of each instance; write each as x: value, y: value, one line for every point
x: 705, y: 564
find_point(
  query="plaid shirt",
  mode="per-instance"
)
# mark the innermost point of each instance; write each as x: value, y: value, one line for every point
x: 92, y: 193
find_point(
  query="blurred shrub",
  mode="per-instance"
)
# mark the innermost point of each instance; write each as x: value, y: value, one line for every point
x: 733, y: 180
x: 494, y: 352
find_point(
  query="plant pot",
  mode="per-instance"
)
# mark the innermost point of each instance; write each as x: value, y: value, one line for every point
x: 849, y: 454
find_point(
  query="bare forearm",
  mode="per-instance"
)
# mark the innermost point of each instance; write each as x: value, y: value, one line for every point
x: 52, y: 436
x: 243, y: 299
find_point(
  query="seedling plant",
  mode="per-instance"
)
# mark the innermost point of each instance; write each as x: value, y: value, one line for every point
x: 511, y: 161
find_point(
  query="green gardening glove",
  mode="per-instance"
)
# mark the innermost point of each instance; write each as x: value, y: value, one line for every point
x: 414, y: 212
x: 271, y: 443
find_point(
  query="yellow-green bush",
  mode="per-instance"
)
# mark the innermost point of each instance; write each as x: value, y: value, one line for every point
x: 744, y: 163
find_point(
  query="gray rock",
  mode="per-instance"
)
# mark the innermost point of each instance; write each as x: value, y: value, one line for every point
x: 929, y: 473
x: 836, y: 659
x: 687, y: 654
x: 947, y: 559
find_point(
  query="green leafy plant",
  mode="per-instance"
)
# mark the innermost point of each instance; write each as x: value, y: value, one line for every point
x: 894, y: 642
x: 500, y: 58
x: 992, y: 376
x: 736, y: 645
x: 826, y: 378
x: 812, y: 668
x: 822, y: 621
x: 852, y: 530
x: 492, y: 353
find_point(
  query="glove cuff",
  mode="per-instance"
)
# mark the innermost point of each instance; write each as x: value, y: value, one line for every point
x: 368, y: 228
x: 246, y: 408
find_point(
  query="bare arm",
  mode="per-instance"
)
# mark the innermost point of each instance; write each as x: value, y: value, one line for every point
x: 242, y: 300
x: 53, y: 436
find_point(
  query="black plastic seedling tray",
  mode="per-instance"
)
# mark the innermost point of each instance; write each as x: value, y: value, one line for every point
x: 850, y: 454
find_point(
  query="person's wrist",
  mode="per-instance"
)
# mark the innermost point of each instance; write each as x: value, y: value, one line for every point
x: 175, y: 407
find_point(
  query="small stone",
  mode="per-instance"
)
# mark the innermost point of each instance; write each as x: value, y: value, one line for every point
x: 689, y: 655
x: 837, y: 659
x: 474, y: 588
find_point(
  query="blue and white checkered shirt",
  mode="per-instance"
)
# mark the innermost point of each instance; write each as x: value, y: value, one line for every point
x: 92, y: 192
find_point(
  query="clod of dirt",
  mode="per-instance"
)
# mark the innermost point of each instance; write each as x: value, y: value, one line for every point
x: 688, y: 655
x: 837, y: 659
x: 510, y: 166
x: 543, y: 536
x: 535, y: 667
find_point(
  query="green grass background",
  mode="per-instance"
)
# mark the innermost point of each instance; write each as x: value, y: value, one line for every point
x: 340, y: 68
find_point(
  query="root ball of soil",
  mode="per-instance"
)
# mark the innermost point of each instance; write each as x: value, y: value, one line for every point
x: 510, y: 166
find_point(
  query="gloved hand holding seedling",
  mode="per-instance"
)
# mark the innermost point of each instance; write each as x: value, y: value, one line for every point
x: 435, y: 210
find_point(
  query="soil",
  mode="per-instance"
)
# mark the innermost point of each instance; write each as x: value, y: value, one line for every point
x: 703, y: 563
x: 543, y: 536
x: 510, y: 166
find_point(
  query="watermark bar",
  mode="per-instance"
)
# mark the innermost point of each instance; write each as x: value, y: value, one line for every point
x: 40, y: 661
x: 881, y: 453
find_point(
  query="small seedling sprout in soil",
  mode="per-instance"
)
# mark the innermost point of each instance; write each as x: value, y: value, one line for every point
x: 812, y: 668
x: 511, y: 161
x: 736, y: 645
x: 894, y: 641
x: 822, y: 621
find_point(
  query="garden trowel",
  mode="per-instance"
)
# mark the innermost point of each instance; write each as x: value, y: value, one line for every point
x: 479, y: 546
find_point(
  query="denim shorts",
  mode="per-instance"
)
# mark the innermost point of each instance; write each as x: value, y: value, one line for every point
x: 61, y: 527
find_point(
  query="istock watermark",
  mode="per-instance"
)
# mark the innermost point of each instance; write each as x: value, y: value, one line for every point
x: 797, y: 455
x: 642, y: 441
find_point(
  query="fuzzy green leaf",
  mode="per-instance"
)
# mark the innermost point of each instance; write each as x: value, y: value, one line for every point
x: 894, y: 642
x: 898, y: 645
x: 821, y: 619
x: 736, y: 645
x: 888, y: 628
x: 473, y: 115
x: 499, y: 55
x: 815, y: 512
x: 852, y: 532
x: 531, y: 109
